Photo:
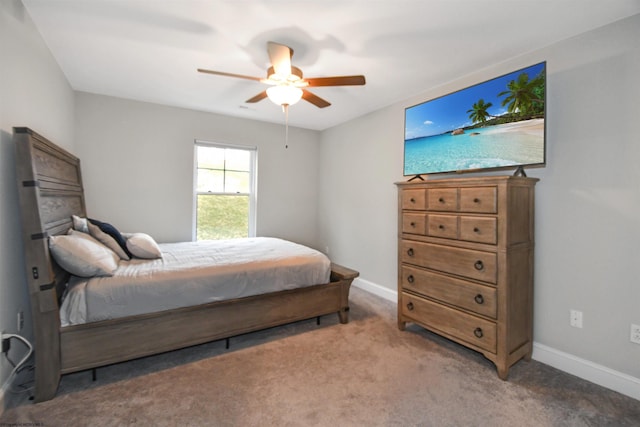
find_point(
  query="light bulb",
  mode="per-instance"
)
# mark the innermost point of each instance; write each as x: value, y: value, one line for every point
x: 284, y: 94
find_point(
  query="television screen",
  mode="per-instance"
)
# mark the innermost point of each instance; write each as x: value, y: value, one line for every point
x: 496, y: 124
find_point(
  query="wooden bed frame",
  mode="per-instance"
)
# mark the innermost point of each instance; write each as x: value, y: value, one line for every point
x: 50, y: 190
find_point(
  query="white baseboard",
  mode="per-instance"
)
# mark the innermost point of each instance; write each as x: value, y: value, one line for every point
x: 374, y: 288
x: 585, y: 369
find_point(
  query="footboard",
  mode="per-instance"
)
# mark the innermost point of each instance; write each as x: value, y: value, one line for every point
x: 101, y: 343
x: 344, y: 276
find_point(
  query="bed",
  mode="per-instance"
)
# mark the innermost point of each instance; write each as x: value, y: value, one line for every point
x: 51, y: 194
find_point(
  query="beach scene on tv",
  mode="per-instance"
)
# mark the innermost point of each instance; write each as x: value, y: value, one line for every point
x: 495, y: 124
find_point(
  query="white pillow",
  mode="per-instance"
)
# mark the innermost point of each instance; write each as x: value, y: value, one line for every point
x: 142, y: 245
x: 107, y: 240
x: 80, y: 224
x: 82, y: 255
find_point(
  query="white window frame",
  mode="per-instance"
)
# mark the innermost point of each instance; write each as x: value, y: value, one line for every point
x: 253, y: 183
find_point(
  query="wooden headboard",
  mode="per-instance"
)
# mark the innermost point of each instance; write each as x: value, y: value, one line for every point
x: 50, y: 191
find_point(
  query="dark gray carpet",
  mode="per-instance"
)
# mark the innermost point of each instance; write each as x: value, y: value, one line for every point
x: 365, y: 373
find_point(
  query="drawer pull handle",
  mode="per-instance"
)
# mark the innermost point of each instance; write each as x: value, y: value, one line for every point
x: 413, y: 224
x: 412, y: 200
x: 479, y: 299
x: 410, y: 252
x: 410, y: 278
x: 441, y: 227
x: 441, y: 200
x: 479, y: 265
x: 476, y: 200
x: 478, y: 332
x: 476, y: 230
x: 410, y: 306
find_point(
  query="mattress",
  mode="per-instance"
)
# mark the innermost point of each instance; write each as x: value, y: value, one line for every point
x: 194, y: 273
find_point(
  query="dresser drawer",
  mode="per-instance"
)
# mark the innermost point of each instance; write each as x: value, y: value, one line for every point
x: 442, y: 199
x: 414, y: 223
x: 445, y: 226
x: 465, y: 327
x: 470, y: 296
x: 479, y: 229
x: 414, y: 199
x: 470, y: 263
x: 479, y: 199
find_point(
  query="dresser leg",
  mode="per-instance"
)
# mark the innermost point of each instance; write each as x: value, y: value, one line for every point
x: 503, y: 372
x: 402, y: 325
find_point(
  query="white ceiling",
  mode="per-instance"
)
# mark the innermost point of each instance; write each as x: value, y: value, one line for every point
x: 149, y: 50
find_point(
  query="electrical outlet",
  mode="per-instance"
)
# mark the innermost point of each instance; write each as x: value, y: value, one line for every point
x: 575, y: 318
x: 635, y: 334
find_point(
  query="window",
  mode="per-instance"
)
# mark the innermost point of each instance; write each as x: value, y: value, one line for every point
x: 224, y: 195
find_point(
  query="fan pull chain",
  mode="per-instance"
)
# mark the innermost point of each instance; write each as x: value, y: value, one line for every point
x: 285, y: 108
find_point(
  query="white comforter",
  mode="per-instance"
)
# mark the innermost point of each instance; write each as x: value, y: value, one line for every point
x: 193, y: 273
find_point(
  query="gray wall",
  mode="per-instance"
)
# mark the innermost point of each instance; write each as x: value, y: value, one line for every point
x: 335, y: 189
x: 137, y: 164
x: 33, y: 93
x: 587, y: 201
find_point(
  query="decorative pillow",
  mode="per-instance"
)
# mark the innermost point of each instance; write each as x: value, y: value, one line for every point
x: 142, y: 245
x: 113, y: 232
x: 82, y: 255
x: 107, y: 240
x: 80, y: 224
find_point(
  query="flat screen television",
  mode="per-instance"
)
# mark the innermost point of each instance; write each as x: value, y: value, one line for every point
x: 497, y: 124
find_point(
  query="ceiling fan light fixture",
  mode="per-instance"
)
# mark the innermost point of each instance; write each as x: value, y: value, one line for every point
x: 288, y: 81
x: 284, y: 94
x: 295, y: 75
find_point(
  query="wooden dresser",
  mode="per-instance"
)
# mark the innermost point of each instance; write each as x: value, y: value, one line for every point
x: 465, y: 263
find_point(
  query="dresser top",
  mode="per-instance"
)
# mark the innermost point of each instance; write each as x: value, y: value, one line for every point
x: 476, y: 180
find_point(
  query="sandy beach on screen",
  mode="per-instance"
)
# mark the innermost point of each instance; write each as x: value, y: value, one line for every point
x: 529, y: 127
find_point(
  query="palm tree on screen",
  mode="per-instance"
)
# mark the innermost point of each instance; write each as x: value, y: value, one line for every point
x: 521, y: 95
x: 478, y: 112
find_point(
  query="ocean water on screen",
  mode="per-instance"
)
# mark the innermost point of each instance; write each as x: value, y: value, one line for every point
x: 476, y: 149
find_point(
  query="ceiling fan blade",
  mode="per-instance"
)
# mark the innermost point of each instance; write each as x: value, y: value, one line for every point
x: 259, y: 97
x: 221, y: 73
x: 336, y: 81
x: 314, y: 99
x: 280, y: 56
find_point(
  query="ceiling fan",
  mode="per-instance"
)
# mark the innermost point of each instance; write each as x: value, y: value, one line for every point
x: 288, y: 85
